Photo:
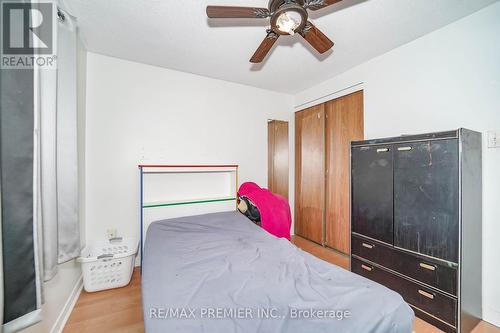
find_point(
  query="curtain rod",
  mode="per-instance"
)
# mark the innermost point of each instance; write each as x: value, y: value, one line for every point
x: 329, y: 94
x: 60, y: 15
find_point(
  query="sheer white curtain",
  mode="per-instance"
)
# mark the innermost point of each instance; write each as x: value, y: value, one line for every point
x: 67, y: 157
x: 47, y: 90
x: 58, y: 136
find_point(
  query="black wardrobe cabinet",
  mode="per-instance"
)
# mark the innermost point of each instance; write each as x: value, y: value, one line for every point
x: 416, y: 222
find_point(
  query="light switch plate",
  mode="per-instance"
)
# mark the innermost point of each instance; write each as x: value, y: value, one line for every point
x: 493, y: 139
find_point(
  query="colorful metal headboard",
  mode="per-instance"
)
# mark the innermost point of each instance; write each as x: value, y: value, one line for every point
x: 158, y: 192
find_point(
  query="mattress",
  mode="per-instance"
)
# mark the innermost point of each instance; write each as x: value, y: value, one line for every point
x: 222, y: 273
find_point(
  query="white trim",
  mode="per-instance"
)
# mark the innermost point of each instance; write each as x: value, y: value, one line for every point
x: 333, y: 95
x: 63, y: 317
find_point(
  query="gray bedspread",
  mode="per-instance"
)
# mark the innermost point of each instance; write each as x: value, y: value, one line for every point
x: 221, y: 273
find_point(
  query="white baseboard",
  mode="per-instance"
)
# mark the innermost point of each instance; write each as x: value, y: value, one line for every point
x: 492, y: 316
x: 68, y: 307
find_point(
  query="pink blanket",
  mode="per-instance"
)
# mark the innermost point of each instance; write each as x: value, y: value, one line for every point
x: 275, y: 215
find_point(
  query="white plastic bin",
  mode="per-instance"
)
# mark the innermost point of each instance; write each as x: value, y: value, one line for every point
x: 108, y: 264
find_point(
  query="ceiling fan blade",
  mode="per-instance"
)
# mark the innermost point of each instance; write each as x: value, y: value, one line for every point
x: 318, y: 4
x: 236, y: 12
x: 316, y: 38
x: 264, y: 47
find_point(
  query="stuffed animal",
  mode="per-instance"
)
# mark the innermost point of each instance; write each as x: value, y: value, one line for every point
x: 247, y: 208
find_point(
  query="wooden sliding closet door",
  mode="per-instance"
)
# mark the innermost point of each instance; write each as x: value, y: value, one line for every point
x: 309, y: 173
x: 344, y: 123
x: 277, y: 169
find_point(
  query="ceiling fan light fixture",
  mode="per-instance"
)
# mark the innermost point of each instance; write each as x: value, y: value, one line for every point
x: 286, y: 17
x: 288, y: 22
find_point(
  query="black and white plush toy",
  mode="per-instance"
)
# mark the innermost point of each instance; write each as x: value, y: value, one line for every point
x: 247, y: 208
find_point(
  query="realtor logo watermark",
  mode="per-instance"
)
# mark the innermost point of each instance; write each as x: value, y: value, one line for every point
x: 28, y: 34
x: 247, y: 313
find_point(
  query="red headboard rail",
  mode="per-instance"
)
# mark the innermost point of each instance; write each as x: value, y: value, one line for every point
x: 188, y: 166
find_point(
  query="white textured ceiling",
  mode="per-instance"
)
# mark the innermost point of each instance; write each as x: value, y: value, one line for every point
x: 176, y: 34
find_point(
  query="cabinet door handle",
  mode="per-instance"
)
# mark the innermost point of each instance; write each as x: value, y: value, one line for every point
x: 427, y: 266
x: 382, y: 150
x: 425, y: 294
x: 367, y: 268
x: 405, y: 148
x: 368, y: 246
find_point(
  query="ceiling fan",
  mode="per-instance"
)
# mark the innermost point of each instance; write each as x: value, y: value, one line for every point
x: 288, y: 17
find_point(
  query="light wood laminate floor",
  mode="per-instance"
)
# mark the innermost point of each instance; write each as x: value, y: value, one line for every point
x: 120, y: 310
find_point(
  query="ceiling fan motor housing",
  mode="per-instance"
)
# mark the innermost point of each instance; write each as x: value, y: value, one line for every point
x: 275, y: 4
x: 279, y: 7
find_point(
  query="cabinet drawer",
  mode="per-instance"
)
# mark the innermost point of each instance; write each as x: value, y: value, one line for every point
x: 435, y: 303
x: 432, y: 272
x: 373, y: 251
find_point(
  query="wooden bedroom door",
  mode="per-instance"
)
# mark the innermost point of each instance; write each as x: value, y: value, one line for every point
x: 309, y: 173
x: 344, y: 123
x: 277, y: 169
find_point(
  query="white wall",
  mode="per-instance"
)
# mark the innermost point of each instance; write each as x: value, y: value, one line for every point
x: 137, y: 113
x: 445, y: 80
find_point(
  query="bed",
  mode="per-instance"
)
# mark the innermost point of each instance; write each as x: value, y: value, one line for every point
x: 222, y: 273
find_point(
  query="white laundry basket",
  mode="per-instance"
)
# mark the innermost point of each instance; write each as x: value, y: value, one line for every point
x: 108, y: 264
